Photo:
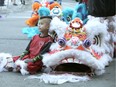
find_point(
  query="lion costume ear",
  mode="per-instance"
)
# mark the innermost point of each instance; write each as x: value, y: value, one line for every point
x: 58, y: 26
x: 81, y: 12
x: 36, y: 6
x: 44, y: 11
x: 55, y: 4
x: 33, y: 20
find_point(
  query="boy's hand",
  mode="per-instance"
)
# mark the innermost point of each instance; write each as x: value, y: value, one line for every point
x: 28, y: 60
x: 18, y: 68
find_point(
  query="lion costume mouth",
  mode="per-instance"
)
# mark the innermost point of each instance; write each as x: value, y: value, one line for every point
x: 73, y: 61
x: 73, y: 68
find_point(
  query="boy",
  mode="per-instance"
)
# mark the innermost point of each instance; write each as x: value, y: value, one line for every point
x: 37, y: 46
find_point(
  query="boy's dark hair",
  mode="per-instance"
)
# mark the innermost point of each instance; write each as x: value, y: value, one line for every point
x: 50, y: 17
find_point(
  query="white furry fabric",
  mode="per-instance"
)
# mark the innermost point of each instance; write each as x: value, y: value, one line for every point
x: 5, y: 60
x: 54, y: 59
x: 58, y: 26
x: 23, y: 66
x: 100, y: 26
x: 59, y: 79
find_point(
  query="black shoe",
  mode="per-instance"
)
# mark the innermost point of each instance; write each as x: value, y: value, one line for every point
x: 15, y: 4
x: 23, y: 2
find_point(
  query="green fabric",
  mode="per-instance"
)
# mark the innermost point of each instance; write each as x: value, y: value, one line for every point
x: 37, y: 58
x: 23, y: 54
x: 34, y: 59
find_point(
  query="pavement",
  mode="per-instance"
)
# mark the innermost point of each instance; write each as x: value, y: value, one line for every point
x: 14, y: 42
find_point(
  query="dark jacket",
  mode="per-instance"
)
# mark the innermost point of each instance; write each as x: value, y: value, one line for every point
x: 101, y: 8
x: 2, y: 2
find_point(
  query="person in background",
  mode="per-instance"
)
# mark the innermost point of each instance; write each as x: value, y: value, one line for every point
x: 59, y: 1
x: 2, y: 2
x: 101, y: 8
x: 14, y: 2
x: 22, y: 2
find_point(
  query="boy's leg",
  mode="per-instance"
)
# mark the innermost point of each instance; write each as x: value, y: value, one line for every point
x: 33, y: 68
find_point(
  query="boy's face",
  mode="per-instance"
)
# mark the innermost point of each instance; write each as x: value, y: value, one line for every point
x: 43, y: 25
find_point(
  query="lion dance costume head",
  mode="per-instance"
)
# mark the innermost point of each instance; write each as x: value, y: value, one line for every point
x: 79, y: 52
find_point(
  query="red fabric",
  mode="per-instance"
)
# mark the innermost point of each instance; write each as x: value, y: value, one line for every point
x: 31, y: 67
x: 35, y: 47
x: 37, y: 44
x: 34, y: 67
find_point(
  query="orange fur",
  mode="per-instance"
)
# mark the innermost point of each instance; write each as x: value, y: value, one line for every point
x: 36, y: 6
x: 33, y: 20
x: 55, y: 4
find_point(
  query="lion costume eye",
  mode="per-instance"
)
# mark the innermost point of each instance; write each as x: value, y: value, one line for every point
x: 97, y: 40
x: 68, y: 18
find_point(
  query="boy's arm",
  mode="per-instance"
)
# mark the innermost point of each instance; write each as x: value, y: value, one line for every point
x: 39, y: 57
x: 46, y: 48
x: 28, y: 46
x: 23, y: 54
x: 26, y: 50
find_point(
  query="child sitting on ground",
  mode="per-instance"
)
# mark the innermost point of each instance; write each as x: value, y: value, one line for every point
x: 37, y: 46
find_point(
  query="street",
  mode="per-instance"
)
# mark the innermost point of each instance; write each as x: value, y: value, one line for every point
x: 14, y: 42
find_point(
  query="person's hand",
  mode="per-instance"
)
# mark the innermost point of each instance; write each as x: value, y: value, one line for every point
x: 28, y: 60
x: 18, y: 68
